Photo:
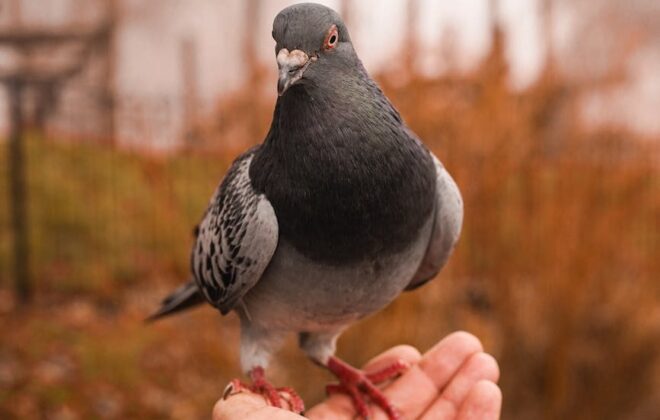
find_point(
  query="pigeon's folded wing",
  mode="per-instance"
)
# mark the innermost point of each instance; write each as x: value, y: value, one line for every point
x: 236, y: 240
x: 446, y: 227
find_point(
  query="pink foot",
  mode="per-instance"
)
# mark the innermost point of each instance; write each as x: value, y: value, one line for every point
x: 273, y: 396
x: 361, y: 386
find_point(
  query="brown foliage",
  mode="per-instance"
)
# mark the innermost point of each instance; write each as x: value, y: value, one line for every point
x: 556, y: 271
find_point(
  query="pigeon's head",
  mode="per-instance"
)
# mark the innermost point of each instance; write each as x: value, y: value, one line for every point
x: 312, y: 45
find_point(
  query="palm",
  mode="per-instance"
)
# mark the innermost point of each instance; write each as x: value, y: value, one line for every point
x: 453, y: 380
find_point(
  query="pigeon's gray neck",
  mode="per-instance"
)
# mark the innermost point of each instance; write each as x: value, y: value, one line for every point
x: 346, y: 100
x: 347, y: 107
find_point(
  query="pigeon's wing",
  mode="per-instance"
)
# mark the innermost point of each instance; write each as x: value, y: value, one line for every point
x: 446, y: 227
x: 236, y: 238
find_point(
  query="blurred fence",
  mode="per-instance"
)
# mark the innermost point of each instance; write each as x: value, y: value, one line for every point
x: 147, y: 123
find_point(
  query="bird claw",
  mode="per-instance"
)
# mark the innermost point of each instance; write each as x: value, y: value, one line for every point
x: 389, y: 372
x: 361, y: 386
x: 234, y: 387
x: 273, y: 396
x: 229, y: 391
x: 296, y: 403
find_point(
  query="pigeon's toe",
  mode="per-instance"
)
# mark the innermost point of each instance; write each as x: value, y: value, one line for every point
x: 361, y: 386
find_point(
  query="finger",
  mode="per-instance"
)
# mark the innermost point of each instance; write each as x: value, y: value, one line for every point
x: 445, y: 359
x: 341, y: 406
x: 404, y: 353
x: 484, y: 402
x: 418, y: 388
x: 480, y: 366
x: 249, y: 406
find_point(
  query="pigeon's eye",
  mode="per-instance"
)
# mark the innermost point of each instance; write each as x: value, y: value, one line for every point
x: 332, y: 38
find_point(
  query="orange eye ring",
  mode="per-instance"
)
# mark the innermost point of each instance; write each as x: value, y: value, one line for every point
x: 332, y: 38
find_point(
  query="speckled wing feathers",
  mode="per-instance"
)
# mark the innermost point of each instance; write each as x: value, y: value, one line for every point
x: 237, y: 238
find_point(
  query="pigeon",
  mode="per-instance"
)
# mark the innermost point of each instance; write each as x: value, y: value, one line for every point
x: 338, y: 211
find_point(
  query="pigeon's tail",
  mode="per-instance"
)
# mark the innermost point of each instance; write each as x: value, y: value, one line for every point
x: 184, y: 297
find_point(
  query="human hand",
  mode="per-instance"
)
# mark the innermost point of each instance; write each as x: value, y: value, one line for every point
x: 453, y: 380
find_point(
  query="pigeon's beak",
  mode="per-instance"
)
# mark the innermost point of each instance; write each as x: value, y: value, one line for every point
x: 291, y: 66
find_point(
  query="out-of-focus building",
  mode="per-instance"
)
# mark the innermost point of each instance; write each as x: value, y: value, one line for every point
x: 167, y: 62
x: 61, y: 54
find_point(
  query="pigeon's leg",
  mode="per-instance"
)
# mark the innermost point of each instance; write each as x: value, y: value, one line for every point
x: 359, y: 385
x: 273, y: 396
x: 257, y: 345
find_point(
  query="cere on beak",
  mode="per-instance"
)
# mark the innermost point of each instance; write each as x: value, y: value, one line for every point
x: 291, y: 65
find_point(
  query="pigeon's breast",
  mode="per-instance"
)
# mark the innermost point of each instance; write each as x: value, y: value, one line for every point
x: 300, y: 294
x: 346, y: 203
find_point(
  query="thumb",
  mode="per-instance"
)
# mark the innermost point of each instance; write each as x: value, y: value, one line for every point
x: 249, y: 406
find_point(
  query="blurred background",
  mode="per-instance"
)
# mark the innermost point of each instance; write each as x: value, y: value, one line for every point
x: 119, y: 117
